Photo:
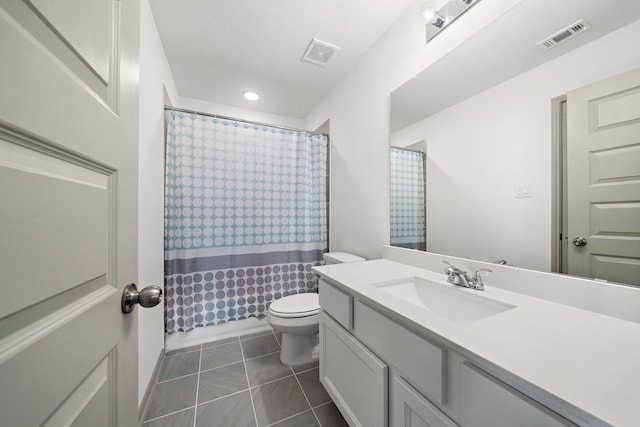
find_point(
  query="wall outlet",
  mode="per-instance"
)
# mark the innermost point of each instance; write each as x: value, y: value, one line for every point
x: 521, y: 191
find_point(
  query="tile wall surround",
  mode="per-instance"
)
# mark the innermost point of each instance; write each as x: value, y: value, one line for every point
x: 238, y: 381
x: 613, y: 300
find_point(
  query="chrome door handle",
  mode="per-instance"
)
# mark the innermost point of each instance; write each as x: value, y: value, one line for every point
x: 147, y: 297
x: 579, y: 241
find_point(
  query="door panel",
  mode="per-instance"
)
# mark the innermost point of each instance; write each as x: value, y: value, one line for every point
x: 68, y: 218
x: 82, y: 37
x: 57, y: 213
x: 354, y: 377
x: 411, y: 409
x: 603, y: 174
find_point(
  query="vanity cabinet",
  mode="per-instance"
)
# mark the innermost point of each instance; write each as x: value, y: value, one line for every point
x: 412, y: 409
x: 379, y: 372
x: 486, y: 401
x: 355, y: 378
x: 417, y: 358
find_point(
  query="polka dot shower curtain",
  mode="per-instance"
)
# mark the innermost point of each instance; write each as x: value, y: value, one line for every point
x: 408, y: 225
x: 245, y: 218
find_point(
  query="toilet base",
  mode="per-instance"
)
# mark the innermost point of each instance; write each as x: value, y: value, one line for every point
x: 299, y: 349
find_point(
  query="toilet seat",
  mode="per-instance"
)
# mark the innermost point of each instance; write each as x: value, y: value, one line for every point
x: 295, y: 306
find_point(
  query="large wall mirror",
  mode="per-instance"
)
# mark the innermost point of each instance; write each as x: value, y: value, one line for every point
x: 492, y: 117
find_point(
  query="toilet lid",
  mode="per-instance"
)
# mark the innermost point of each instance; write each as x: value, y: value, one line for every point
x: 298, y: 305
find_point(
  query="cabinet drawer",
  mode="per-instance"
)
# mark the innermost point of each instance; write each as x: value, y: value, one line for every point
x: 355, y: 378
x: 486, y: 401
x: 337, y: 303
x: 411, y: 409
x: 417, y: 358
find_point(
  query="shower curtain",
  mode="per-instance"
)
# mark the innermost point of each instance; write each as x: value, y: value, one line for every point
x: 408, y: 225
x: 245, y: 218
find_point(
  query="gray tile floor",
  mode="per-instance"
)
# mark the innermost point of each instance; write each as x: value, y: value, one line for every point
x: 239, y: 382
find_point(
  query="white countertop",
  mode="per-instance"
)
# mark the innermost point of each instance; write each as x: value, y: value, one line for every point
x: 581, y: 364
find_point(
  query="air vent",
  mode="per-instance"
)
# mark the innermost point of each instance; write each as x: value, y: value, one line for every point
x: 319, y: 52
x: 564, y: 35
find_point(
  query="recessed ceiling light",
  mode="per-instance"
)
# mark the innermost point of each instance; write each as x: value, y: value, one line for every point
x: 251, y: 96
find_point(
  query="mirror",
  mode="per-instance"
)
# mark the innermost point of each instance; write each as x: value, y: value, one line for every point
x: 490, y: 114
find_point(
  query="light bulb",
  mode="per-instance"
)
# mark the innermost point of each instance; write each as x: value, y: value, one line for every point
x: 251, y: 96
x: 428, y: 14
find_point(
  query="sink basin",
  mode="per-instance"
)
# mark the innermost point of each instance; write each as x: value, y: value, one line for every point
x: 451, y: 302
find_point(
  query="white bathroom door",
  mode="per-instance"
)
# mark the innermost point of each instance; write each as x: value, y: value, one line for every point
x: 603, y: 179
x: 68, y: 211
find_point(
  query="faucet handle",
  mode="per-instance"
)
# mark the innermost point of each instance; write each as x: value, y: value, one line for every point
x: 452, y: 267
x: 477, y: 278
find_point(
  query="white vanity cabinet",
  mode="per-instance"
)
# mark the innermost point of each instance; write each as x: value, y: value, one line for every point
x: 486, y: 401
x: 379, y: 372
x: 354, y: 377
x: 409, y: 408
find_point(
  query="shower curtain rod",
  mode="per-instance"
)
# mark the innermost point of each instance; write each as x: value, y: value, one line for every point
x: 218, y: 116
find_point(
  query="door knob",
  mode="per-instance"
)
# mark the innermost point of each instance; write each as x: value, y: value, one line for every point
x: 579, y: 241
x: 147, y: 297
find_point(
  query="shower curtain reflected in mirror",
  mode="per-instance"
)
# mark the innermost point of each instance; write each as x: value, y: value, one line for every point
x: 245, y: 218
x: 408, y: 220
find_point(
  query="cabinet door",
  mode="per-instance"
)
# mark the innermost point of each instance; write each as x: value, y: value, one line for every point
x: 411, y: 409
x: 354, y: 377
x: 487, y: 402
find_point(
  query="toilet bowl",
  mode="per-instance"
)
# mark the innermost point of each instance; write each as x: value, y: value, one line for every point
x: 296, y: 316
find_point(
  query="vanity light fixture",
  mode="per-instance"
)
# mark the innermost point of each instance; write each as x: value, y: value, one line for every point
x: 251, y: 96
x: 440, y: 14
x: 432, y: 17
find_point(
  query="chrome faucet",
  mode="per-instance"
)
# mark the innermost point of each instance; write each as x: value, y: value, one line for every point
x: 461, y: 278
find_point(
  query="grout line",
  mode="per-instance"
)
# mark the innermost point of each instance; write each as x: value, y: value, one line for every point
x: 224, y: 397
x: 262, y: 334
x: 222, y: 366
x: 176, y: 378
x: 237, y: 339
x: 246, y: 372
x: 289, y: 417
x: 263, y: 355
x: 195, y: 411
x: 323, y: 404
x: 166, y: 415
x: 305, y: 396
x: 270, y: 382
x: 306, y: 370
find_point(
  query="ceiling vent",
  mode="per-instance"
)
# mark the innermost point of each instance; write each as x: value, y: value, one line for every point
x: 319, y: 52
x: 564, y: 35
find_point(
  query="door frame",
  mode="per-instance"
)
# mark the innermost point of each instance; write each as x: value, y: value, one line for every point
x: 559, y: 238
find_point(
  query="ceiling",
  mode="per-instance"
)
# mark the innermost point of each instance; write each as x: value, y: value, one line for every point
x: 217, y: 49
x: 503, y: 50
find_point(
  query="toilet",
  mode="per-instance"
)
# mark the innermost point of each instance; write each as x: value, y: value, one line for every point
x: 296, y: 316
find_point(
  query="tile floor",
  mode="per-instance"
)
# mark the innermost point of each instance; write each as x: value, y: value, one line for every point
x: 239, y: 382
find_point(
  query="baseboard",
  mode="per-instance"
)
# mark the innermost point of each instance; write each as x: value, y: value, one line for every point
x: 142, y: 411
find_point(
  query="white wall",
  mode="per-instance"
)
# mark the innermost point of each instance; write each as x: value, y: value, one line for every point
x: 506, y: 140
x: 358, y: 108
x: 155, y: 78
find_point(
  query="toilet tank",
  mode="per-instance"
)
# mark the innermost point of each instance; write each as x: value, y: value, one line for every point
x: 340, y: 257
